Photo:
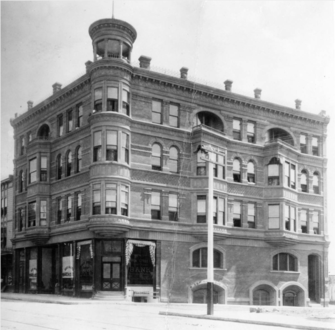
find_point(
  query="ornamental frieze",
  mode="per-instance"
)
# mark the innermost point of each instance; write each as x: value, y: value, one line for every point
x: 113, y: 71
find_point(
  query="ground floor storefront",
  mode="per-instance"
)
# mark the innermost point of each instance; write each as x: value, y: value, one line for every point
x: 81, y: 268
x: 7, y: 271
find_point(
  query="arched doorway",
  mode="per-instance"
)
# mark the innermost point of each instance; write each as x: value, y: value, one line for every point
x: 293, y: 295
x: 264, y: 295
x: 314, y: 278
x: 199, y: 294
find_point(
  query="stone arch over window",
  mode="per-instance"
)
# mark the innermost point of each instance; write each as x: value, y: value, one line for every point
x: 209, y: 119
x: 275, y: 133
x: 316, y: 182
x: 197, y: 292
x: 293, y: 294
x: 263, y: 293
x: 173, y: 162
x: 237, y: 170
x: 157, y: 157
x: 220, y: 255
x: 68, y: 163
x: 304, y: 180
x: 44, y: 132
x: 251, y: 171
x: 59, y: 166
x: 284, y: 261
x: 78, y: 159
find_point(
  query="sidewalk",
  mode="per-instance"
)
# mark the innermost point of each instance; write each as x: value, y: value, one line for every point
x: 307, y: 318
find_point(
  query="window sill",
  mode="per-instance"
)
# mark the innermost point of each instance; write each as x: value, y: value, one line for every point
x: 205, y: 268
x: 285, y: 272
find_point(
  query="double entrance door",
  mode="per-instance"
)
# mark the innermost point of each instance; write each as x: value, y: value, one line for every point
x: 111, y: 273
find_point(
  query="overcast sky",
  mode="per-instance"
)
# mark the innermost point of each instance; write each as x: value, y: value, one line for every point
x: 286, y: 48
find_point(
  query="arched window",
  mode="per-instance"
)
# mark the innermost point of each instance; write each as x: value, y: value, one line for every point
x: 173, y: 159
x: 199, y: 258
x: 237, y: 170
x: 208, y: 119
x: 284, y: 262
x: 303, y: 181
x: 68, y: 163
x: 251, y: 172
x: 44, y: 132
x: 78, y: 158
x: 156, y: 157
x: 316, y: 183
x: 59, y: 166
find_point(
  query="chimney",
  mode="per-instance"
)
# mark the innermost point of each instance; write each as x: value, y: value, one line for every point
x: 56, y: 87
x: 183, y: 73
x: 298, y: 104
x: 145, y: 62
x: 88, y: 64
x: 258, y: 93
x: 30, y: 104
x: 228, y: 84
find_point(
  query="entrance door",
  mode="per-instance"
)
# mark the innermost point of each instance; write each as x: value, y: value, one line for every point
x: 314, y: 278
x: 111, y: 276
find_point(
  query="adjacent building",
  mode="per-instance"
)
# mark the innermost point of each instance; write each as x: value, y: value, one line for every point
x: 6, y: 234
x: 111, y: 198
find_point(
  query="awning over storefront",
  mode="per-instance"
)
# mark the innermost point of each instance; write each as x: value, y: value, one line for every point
x: 130, y: 247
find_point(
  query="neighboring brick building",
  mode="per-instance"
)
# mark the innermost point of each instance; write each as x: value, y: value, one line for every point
x: 7, y: 234
x: 110, y: 196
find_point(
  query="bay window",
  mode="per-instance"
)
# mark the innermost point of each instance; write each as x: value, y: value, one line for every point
x: 303, y: 181
x: 201, y: 209
x: 32, y: 170
x: 125, y: 148
x: 112, y: 99
x: 44, y: 169
x: 274, y: 216
x: 124, y: 200
x: 97, y: 146
x: 98, y: 99
x: 290, y: 218
x: 125, y: 102
x: 43, y: 213
x: 290, y: 174
x: 96, y: 199
x: 32, y: 214
x: 273, y: 172
x: 111, y: 146
x: 111, y: 202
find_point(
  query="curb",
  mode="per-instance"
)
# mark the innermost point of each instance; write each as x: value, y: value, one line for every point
x: 227, y: 319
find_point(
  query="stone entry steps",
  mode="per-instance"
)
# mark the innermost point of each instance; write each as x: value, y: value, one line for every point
x: 110, y: 295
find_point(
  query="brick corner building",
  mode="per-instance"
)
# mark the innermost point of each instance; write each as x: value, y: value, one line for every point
x: 110, y: 198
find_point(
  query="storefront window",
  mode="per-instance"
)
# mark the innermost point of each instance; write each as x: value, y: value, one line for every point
x: 33, y: 269
x: 86, y: 267
x: 140, y: 268
x: 67, y: 267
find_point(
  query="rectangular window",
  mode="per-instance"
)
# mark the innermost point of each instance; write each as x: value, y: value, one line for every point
x: 44, y: 169
x: 251, y: 132
x: 125, y: 148
x: 251, y: 215
x: 69, y: 121
x: 316, y: 227
x: 218, y: 211
x: 43, y: 213
x: 315, y: 146
x: 273, y: 216
x: 32, y: 214
x: 201, y: 209
x: 22, y: 142
x: 303, y: 143
x: 219, y: 167
x: 174, y: 115
x: 32, y: 170
x: 111, y: 146
x: 97, y: 146
x: 290, y: 220
x: 69, y: 208
x: 78, y: 210
x: 80, y: 112
x: 124, y: 200
x: 156, y: 205
x: 98, y: 99
x: 96, y: 199
x: 237, y: 129
x: 237, y: 214
x: 59, y: 210
x: 21, y: 219
x: 125, y: 102
x: 201, y: 166
x: 273, y: 175
x: 173, y: 207
x: 112, y: 99
x: 303, y: 221
x: 290, y: 175
x: 60, y: 125
x: 111, y: 206
x: 156, y: 111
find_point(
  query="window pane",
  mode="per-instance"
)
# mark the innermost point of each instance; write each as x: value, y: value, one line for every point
x: 32, y: 165
x: 251, y: 128
x: 112, y: 138
x: 196, y: 258
x: 302, y: 139
x: 125, y: 140
x: 112, y: 93
x: 201, y: 208
x: 315, y: 141
x: 43, y: 162
x: 125, y: 96
x: 156, y: 150
x: 173, y: 200
x: 203, y: 257
x: 273, y: 170
x: 282, y: 261
x: 303, y: 179
x: 155, y: 198
x: 156, y: 106
x: 173, y: 110
x: 251, y: 168
x: 173, y: 121
x: 251, y: 209
x: 236, y: 124
x: 96, y: 196
x: 156, y: 117
x: 237, y: 208
x: 236, y: 165
x: 315, y: 179
x: 97, y: 138
x: 98, y: 94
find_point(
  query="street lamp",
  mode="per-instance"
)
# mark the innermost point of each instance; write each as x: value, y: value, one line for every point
x: 206, y: 152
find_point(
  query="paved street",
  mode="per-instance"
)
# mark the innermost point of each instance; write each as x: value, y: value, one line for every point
x: 21, y: 315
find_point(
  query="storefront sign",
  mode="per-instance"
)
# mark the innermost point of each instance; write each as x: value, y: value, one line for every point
x: 67, y: 267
